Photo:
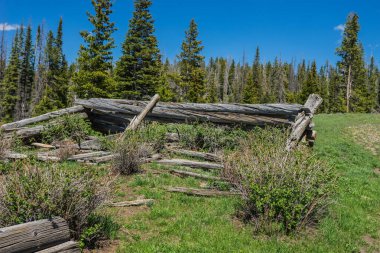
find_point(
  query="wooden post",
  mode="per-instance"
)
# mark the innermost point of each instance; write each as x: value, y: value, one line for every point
x: 304, y: 121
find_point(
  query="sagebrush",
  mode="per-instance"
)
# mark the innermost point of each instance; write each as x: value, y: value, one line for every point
x: 31, y: 193
x: 282, y: 191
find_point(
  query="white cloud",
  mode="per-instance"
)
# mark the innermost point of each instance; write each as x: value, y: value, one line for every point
x: 340, y: 28
x: 8, y: 27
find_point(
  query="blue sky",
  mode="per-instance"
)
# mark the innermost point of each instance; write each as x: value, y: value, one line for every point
x: 291, y: 30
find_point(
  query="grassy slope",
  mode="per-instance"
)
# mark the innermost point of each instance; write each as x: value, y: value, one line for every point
x: 179, y: 223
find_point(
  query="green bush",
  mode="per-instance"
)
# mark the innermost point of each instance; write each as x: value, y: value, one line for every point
x: 282, y: 191
x: 70, y: 127
x: 32, y: 193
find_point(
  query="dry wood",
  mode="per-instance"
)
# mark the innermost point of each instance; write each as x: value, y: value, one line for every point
x: 196, y: 154
x: 137, y: 202
x: 298, y: 129
x: 111, y: 115
x: 42, y: 145
x: 87, y: 156
x: 67, y: 247
x: 14, y: 156
x: 149, y: 107
x: 195, y: 175
x: 43, y: 117
x: 34, y: 236
x: 47, y: 158
x: 103, y: 159
x: 189, y: 163
x: 201, y: 192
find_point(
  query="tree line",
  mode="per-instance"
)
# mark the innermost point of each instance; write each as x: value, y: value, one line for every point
x: 35, y: 76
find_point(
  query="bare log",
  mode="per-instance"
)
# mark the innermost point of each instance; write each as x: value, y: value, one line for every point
x: 201, y: 192
x: 67, y: 247
x: 138, y: 202
x: 195, y: 175
x: 196, y: 154
x: 87, y: 156
x: 191, y: 164
x: 300, y: 126
x: 43, y: 117
x: 14, y: 156
x: 149, y: 107
x: 34, y: 236
x: 42, y: 145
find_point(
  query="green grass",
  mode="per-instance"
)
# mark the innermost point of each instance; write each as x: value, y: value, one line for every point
x: 179, y: 223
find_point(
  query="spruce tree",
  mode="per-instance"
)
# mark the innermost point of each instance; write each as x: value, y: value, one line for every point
x: 26, y: 77
x: 191, y: 65
x: 93, y: 78
x: 253, y: 89
x: 3, y: 55
x: 311, y: 84
x: 9, y: 86
x: 352, y: 68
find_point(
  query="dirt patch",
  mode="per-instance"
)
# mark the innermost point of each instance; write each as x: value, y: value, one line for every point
x: 367, y: 135
x: 106, y: 247
x: 377, y: 171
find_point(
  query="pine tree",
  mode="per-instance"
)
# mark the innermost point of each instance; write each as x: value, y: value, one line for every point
x: 373, y: 82
x: 9, y: 86
x: 26, y: 77
x: 164, y: 90
x: 3, y: 55
x: 352, y: 67
x: 138, y: 70
x: 253, y: 89
x: 312, y: 83
x: 191, y: 65
x: 95, y: 57
x: 55, y: 95
x: 278, y: 82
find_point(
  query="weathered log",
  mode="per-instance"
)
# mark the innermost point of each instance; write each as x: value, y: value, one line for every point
x: 103, y: 159
x: 189, y: 163
x: 67, y: 247
x: 305, y: 117
x: 149, y: 107
x: 14, y: 156
x: 138, y: 202
x: 195, y: 175
x: 42, y: 145
x: 110, y: 115
x: 201, y: 192
x: 48, y: 158
x: 87, y: 156
x: 43, y: 117
x: 34, y: 236
x: 196, y: 154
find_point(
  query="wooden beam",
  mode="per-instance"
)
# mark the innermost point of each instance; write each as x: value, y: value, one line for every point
x: 67, y: 247
x: 201, y: 192
x: 138, y: 202
x: 34, y: 236
x: 149, y: 107
x: 191, y: 164
x: 43, y: 117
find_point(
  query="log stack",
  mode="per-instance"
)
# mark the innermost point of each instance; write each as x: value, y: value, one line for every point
x: 114, y: 115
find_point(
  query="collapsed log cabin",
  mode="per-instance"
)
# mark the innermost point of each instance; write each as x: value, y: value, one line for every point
x: 114, y: 116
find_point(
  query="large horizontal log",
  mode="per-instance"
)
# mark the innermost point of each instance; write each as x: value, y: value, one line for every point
x: 201, y: 192
x: 114, y: 116
x: 195, y: 175
x: 43, y: 117
x: 189, y: 163
x: 34, y: 236
x: 196, y: 154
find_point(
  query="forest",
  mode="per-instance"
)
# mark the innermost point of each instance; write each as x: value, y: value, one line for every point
x: 35, y: 76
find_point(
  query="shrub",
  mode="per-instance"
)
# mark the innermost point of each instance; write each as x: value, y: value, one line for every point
x: 282, y: 191
x: 71, y: 127
x: 130, y: 153
x: 5, y: 145
x: 33, y: 193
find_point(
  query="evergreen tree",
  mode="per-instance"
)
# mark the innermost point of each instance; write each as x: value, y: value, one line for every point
x: 312, y: 83
x: 164, y: 90
x: 95, y: 57
x: 3, y: 55
x: 253, y: 90
x: 138, y: 70
x: 57, y: 82
x: 278, y: 82
x: 373, y: 83
x: 9, y: 87
x: 352, y: 67
x: 191, y: 65
x: 26, y: 77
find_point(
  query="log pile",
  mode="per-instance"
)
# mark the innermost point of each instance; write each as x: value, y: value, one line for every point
x: 113, y: 115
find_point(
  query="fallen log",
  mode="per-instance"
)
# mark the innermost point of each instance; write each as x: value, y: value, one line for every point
x: 149, y: 107
x: 191, y: 164
x: 196, y: 154
x: 14, y: 156
x: 34, y: 236
x: 201, y: 192
x: 106, y: 114
x: 43, y: 117
x: 138, y: 202
x: 195, y: 175
x: 67, y: 247
x: 304, y: 120
x: 42, y: 145
x: 87, y: 156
